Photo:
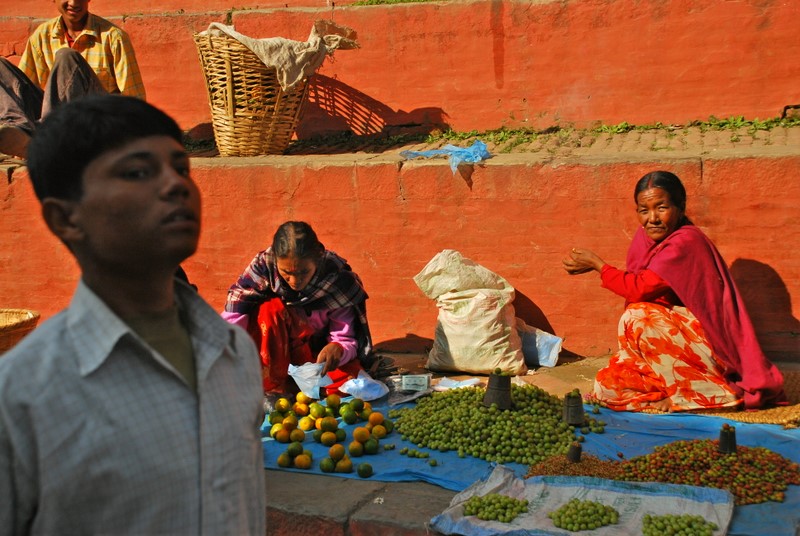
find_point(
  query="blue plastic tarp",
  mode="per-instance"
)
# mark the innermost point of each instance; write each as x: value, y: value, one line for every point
x: 629, y: 434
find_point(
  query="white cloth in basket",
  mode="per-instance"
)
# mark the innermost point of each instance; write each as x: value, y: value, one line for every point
x: 293, y: 60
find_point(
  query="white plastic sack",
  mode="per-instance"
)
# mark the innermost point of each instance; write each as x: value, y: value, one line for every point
x: 476, y: 330
x: 539, y: 348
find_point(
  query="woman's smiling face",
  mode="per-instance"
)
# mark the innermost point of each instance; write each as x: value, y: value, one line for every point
x: 657, y: 213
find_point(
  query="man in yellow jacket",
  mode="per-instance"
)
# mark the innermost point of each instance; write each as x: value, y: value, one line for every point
x: 75, y: 54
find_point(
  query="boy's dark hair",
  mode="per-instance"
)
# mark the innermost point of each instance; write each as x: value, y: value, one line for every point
x: 79, y: 131
x: 296, y: 239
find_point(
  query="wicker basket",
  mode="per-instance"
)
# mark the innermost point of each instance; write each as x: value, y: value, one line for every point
x: 14, y: 325
x: 250, y: 112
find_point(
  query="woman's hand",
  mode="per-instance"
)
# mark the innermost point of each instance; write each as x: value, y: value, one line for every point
x: 331, y: 354
x: 581, y: 261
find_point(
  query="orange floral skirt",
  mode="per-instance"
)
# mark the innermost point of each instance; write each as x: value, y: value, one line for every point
x: 663, y: 356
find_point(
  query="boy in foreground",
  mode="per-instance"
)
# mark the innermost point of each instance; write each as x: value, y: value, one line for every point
x: 137, y: 409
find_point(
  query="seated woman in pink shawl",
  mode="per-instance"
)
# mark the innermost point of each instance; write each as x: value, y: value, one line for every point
x: 302, y: 303
x: 685, y: 339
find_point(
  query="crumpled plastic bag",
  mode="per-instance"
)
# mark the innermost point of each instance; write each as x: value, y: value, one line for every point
x: 471, y: 155
x: 309, y: 378
x: 540, y: 348
x: 364, y: 387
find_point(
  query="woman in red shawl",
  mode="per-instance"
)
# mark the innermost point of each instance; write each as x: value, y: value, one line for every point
x: 301, y: 304
x: 685, y: 339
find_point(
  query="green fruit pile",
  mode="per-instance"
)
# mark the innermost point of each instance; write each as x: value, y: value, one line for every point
x: 457, y: 420
x: 672, y: 524
x: 495, y: 507
x: 579, y: 515
x: 752, y: 474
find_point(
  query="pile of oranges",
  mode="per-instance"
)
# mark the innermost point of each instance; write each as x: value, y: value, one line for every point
x: 291, y: 422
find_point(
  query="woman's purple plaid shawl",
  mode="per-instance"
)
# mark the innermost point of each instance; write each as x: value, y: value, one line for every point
x: 333, y: 286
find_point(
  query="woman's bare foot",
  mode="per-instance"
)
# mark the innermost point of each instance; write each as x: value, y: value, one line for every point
x: 664, y: 405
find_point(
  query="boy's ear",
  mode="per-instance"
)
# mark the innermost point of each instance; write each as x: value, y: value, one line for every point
x: 59, y: 215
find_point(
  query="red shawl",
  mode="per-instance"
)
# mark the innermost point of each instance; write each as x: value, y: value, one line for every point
x: 697, y: 273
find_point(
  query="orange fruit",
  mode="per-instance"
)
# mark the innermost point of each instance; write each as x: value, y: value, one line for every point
x: 361, y: 434
x: 333, y: 401
x: 300, y: 409
x: 327, y: 438
x: 371, y: 446
x: 306, y: 423
x: 375, y: 418
x: 379, y: 431
x: 294, y: 449
x: 290, y: 422
x: 303, y: 398
x: 336, y: 452
x: 329, y: 424
x: 389, y: 425
x: 349, y: 416
x: 297, y: 435
x: 282, y: 435
x: 317, y: 435
x: 364, y: 470
x: 316, y: 410
x: 326, y: 465
x: 341, y: 435
x: 356, y: 449
x: 283, y: 404
x: 357, y: 404
x: 276, y: 417
x: 345, y: 465
x: 284, y: 460
x: 367, y: 406
x: 274, y: 430
x: 302, y: 461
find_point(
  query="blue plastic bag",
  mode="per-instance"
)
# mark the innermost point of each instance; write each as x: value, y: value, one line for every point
x: 476, y: 153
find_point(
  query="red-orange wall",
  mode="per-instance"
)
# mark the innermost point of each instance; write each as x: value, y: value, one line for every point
x: 474, y: 65
x: 486, y: 64
x: 516, y: 217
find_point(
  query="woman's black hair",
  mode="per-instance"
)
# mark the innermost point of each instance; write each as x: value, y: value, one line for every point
x: 77, y: 132
x: 296, y: 239
x: 669, y: 182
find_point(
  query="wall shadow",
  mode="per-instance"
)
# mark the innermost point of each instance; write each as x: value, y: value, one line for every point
x: 528, y: 311
x: 410, y: 344
x: 769, y: 305
x: 334, y: 108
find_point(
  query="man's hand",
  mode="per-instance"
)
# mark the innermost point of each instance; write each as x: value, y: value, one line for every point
x: 330, y: 355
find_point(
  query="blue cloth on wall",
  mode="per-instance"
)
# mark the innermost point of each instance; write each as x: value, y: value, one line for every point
x: 477, y: 152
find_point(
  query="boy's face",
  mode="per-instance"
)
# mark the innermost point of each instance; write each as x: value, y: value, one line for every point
x: 73, y: 11
x: 140, y: 208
